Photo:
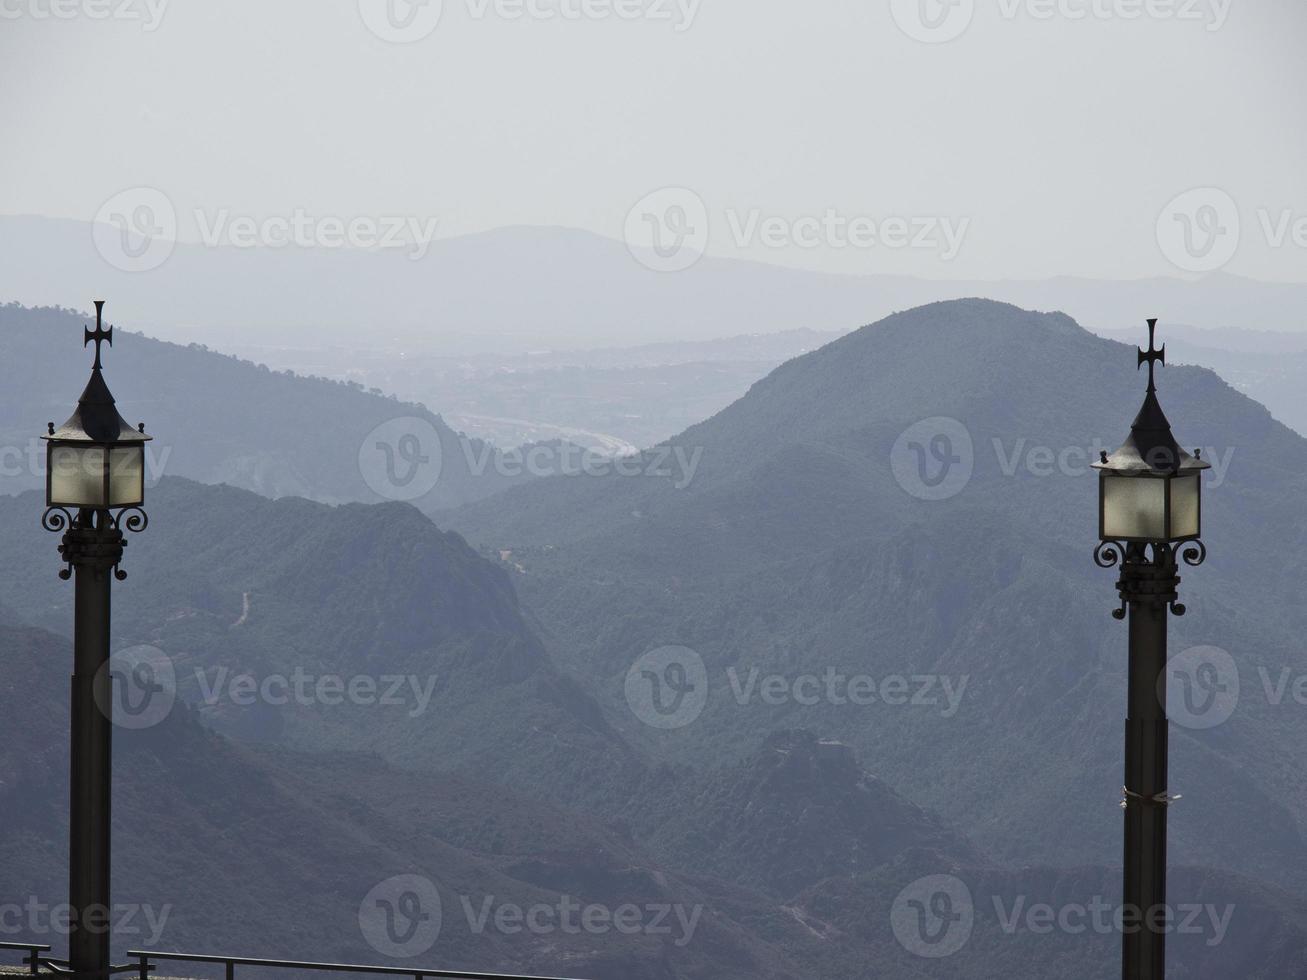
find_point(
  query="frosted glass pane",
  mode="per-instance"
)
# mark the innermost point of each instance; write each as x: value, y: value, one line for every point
x: 126, y: 476
x: 77, y: 476
x: 1134, y: 507
x: 1184, y: 506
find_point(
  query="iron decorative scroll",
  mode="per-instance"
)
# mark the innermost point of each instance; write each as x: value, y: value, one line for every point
x: 111, y: 524
x: 1148, y: 578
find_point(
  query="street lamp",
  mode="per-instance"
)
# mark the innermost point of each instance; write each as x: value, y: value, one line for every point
x: 1149, y: 508
x: 95, y: 486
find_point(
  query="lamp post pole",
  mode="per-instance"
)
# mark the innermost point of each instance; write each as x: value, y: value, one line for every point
x: 1147, y: 589
x: 1150, y: 512
x: 95, y: 486
x: 93, y: 548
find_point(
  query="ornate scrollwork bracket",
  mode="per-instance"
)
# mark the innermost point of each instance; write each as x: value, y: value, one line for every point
x: 1148, y: 579
x: 1110, y: 554
x: 94, y: 538
x: 1194, y: 553
x: 59, y: 520
x: 132, y: 519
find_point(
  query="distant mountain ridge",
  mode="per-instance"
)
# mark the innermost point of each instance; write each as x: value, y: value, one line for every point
x: 794, y: 550
x: 799, y: 548
x: 237, y: 590
x: 270, y: 853
x: 218, y: 419
x: 523, y: 288
x: 794, y: 854
x: 305, y: 839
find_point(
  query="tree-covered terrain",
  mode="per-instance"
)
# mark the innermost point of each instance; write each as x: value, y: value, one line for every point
x: 795, y: 818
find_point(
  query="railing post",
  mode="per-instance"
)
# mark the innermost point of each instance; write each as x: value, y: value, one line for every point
x: 145, y: 967
x: 34, y: 960
x: 231, y: 970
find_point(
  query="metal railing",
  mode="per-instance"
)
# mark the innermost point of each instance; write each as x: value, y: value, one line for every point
x: 33, y: 951
x: 147, y: 963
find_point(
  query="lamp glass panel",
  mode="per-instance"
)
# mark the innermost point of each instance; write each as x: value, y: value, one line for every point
x: 1184, y: 506
x: 1134, y: 507
x: 77, y: 476
x: 126, y: 476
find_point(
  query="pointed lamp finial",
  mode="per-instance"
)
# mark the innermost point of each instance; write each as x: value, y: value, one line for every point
x: 99, y: 335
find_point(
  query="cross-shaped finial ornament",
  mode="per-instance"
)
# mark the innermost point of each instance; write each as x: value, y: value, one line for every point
x: 99, y: 335
x: 1152, y: 355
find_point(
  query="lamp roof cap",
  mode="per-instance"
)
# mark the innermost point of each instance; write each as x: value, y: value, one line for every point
x: 96, y: 419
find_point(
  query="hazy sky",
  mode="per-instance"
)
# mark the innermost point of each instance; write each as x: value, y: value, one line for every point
x: 1048, y: 137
